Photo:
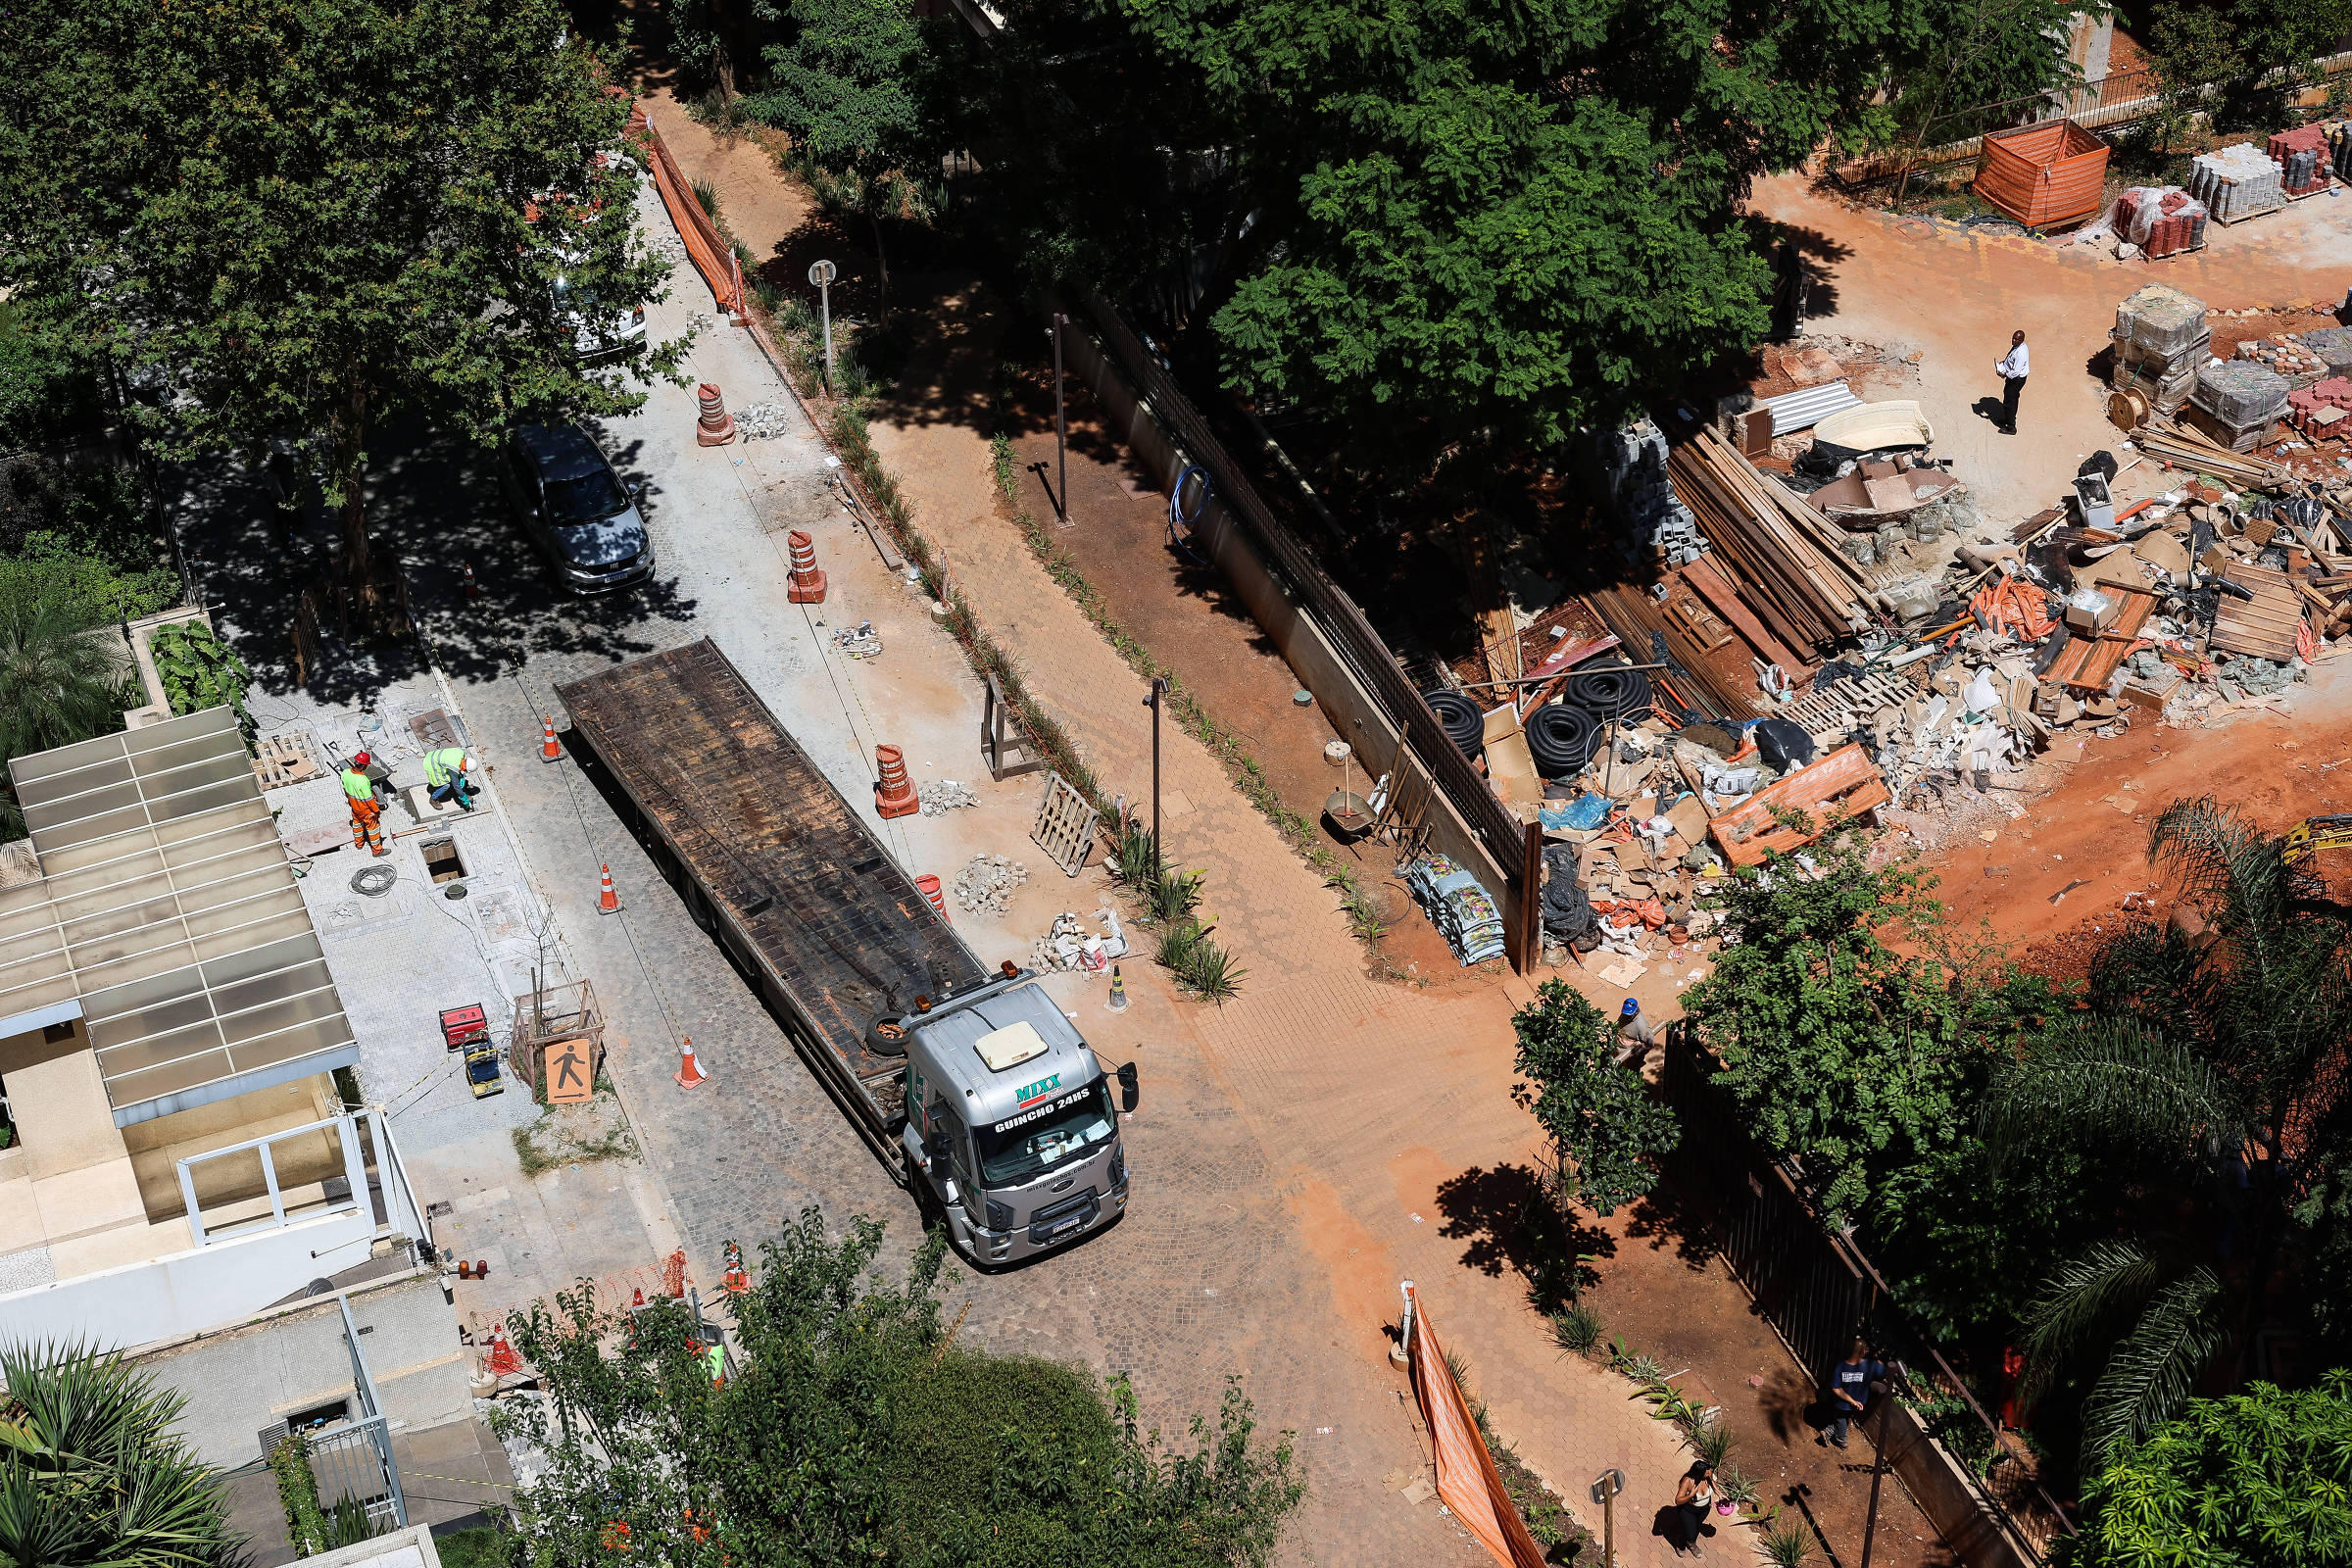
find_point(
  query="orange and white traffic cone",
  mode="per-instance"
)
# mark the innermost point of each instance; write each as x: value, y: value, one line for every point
x: 807, y: 583
x: 550, y: 748
x: 474, y: 590
x: 690, y: 1067
x: 735, y: 1281
x: 894, y: 792
x: 502, y: 1361
x: 607, y: 901
x: 639, y: 1300
x: 930, y: 886
x: 716, y: 427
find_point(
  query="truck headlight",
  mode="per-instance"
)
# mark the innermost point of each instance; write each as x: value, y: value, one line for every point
x: 1000, y: 1215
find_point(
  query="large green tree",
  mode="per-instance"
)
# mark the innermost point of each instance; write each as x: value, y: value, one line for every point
x: 855, y: 1429
x: 90, y: 1473
x: 2263, y: 1477
x: 300, y: 218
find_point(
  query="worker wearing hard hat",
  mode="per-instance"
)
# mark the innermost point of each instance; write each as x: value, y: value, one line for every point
x: 448, y: 776
x: 367, y: 811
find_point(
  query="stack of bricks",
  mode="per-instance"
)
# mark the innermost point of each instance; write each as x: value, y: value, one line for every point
x: 2303, y: 158
x: 1660, y: 527
x: 2161, y: 337
x: 2177, y: 222
x: 2320, y: 411
x: 2286, y: 355
x: 2339, y: 149
x: 2236, y: 403
x: 2237, y: 183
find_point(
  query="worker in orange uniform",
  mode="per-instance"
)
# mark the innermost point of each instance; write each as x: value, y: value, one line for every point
x: 367, y: 812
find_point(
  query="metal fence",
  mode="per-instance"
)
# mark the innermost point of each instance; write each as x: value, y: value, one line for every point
x: 1815, y: 1288
x: 1341, y: 622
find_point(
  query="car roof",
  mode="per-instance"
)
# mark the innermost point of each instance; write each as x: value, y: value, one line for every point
x: 560, y: 451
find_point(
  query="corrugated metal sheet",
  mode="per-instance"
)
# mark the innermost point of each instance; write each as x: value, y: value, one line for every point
x: 1801, y: 410
x: 2045, y: 174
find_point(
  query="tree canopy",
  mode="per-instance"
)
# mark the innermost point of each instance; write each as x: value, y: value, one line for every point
x: 855, y: 1429
x: 297, y: 219
x: 1599, y: 1115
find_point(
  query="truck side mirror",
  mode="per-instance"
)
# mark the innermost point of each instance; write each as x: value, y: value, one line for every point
x: 1129, y: 1095
x: 935, y: 1146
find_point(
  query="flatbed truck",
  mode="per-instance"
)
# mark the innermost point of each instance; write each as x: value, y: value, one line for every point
x: 973, y: 1087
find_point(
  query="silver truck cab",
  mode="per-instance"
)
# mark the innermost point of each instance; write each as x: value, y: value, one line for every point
x: 1012, y: 1122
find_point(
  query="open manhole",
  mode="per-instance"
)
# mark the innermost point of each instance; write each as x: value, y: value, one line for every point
x: 441, y: 860
x: 373, y: 880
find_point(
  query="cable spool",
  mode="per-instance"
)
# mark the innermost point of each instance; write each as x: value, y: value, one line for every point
x: 1607, y: 693
x: 1465, y: 725
x: 1561, y: 738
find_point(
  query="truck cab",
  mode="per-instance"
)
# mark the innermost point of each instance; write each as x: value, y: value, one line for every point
x: 1012, y: 1121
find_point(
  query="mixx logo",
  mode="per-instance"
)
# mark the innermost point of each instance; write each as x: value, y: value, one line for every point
x: 1031, y: 1094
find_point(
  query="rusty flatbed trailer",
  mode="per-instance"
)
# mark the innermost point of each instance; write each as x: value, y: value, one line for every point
x: 773, y: 862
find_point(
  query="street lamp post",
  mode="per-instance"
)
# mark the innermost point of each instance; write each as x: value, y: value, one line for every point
x: 822, y: 273
x: 1151, y: 702
x: 1606, y: 1486
x: 1062, y: 429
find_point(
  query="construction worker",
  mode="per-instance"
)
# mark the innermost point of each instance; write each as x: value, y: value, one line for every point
x: 367, y: 811
x: 446, y: 777
x: 1635, y: 1033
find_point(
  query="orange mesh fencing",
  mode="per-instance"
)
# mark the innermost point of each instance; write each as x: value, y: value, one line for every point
x: 1467, y: 1480
x: 712, y: 256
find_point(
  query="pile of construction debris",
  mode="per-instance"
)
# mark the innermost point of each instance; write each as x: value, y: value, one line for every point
x: 764, y: 421
x: 987, y: 884
x: 1069, y: 945
x: 945, y: 795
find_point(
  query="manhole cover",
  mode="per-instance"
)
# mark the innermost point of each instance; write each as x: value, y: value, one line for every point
x: 373, y: 880
x: 454, y: 892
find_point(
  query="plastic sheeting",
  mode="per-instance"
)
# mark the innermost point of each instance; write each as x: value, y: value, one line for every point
x: 1467, y: 1480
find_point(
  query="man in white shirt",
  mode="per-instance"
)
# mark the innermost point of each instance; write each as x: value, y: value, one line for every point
x: 2012, y: 370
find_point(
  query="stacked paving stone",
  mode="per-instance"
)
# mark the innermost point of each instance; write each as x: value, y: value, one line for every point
x: 2286, y: 355
x: 2239, y: 401
x: 2302, y: 156
x: 987, y: 884
x: 942, y: 796
x: 1634, y: 466
x: 2237, y: 183
x: 2321, y: 410
x: 2161, y: 337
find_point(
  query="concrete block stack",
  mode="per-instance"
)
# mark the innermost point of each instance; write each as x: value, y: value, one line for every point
x: 2237, y: 183
x: 2303, y: 157
x: 2236, y: 403
x: 2162, y: 220
x: 2161, y: 337
x: 2286, y: 355
x: 1633, y: 464
x: 2334, y: 346
x: 2339, y: 149
x: 2321, y: 410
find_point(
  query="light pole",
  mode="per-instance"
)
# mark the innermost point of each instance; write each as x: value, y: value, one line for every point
x: 1606, y: 1486
x: 1151, y: 702
x: 822, y: 273
x: 1062, y: 429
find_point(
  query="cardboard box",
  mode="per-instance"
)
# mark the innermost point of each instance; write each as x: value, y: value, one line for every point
x: 2095, y: 617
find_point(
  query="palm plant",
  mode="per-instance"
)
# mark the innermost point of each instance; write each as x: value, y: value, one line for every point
x: 2204, y: 1075
x: 90, y: 1473
x: 58, y: 683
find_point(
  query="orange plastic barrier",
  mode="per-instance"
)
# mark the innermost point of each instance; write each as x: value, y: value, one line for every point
x: 2050, y: 173
x: 1467, y: 1480
x: 1845, y: 783
x: 711, y: 256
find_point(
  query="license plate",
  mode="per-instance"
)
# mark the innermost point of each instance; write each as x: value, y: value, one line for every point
x: 1060, y: 1226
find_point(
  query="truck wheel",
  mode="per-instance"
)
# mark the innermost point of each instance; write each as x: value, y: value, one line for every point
x: 698, y: 905
x: 666, y: 861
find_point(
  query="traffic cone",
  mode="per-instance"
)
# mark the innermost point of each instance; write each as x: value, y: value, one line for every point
x: 930, y: 887
x: 894, y: 792
x: 1118, y: 991
x: 716, y: 427
x: 735, y: 1281
x: 607, y: 901
x: 502, y: 1361
x: 550, y: 748
x: 807, y: 583
x: 690, y: 1067
x: 474, y: 590
x: 638, y: 1301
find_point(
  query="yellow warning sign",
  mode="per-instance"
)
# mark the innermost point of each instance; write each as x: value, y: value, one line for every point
x: 566, y: 1069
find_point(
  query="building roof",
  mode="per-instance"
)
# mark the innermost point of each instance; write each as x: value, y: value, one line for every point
x: 168, y: 918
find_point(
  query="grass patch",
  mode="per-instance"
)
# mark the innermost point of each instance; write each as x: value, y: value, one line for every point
x: 706, y: 196
x: 1576, y: 1326
x: 548, y: 1144
x: 477, y: 1547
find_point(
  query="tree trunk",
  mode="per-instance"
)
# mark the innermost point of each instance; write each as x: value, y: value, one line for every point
x: 873, y: 216
x: 722, y: 51
x: 351, y: 463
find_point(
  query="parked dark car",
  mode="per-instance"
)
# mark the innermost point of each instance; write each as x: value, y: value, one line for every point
x: 560, y: 482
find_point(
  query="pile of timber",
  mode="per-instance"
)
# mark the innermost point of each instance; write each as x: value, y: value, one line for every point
x: 1781, y: 556
x: 2185, y: 447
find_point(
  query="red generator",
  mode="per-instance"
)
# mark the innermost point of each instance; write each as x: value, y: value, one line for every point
x: 463, y: 1026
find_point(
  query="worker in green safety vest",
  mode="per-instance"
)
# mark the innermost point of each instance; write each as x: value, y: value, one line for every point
x: 446, y: 777
x: 367, y: 811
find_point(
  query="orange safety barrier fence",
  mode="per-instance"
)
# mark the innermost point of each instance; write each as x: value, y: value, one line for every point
x: 1467, y: 1480
x: 711, y: 256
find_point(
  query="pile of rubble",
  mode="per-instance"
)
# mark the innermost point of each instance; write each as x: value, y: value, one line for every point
x: 942, y: 796
x: 1069, y: 945
x: 861, y: 641
x: 764, y: 421
x: 987, y: 884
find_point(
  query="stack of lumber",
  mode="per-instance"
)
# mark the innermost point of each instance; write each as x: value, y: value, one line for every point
x: 2185, y: 447
x: 1779, y: 555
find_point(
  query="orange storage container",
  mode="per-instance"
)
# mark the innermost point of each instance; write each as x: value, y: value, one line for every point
x: 2043, y: 175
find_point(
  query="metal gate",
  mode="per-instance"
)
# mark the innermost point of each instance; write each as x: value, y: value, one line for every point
x: 356, y: 1460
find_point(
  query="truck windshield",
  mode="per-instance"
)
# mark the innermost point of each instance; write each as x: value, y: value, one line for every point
x: 1023, y: 1148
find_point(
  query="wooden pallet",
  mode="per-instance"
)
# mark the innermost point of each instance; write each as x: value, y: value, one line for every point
x: 1065, y: 824
x: 1843, y: 784
x: 286, y: 758
x: 1847, y: 705
x: 2264, y: 628
x: 2248, y: 218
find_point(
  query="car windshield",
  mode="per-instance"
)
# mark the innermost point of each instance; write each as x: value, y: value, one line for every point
x: 586, y: 496
x: 1020, y: 1148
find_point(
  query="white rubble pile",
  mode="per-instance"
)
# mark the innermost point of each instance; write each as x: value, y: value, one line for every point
x: 861, y: 641
x: 1069, y: 945
x: 945, y: 795
x: 764, y: 421
x: 987, y: 884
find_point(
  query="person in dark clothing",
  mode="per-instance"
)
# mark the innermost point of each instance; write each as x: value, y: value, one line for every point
x: 1849, y: 1388
x: 1693, y: 1495
x: 2012, y: 370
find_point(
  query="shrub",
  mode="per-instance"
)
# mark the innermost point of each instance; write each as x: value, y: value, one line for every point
x: 1576, y: 1326
x: 199, y: 670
